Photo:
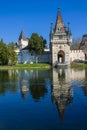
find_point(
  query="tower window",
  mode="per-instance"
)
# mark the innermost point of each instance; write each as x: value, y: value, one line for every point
x: 60, y: 37
x: 58, y: 29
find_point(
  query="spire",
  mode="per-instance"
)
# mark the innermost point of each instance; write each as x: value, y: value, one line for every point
x: 51, y: 29
x: 59, y: 26
x: 22, y: 36
x: 68, y: 29
x: 59, y: 17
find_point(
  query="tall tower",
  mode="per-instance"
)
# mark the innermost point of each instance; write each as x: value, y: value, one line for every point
x: 60, y: 39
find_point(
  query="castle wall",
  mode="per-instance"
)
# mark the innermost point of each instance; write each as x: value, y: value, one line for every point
x: 24, y: 56
x: 77, y: 55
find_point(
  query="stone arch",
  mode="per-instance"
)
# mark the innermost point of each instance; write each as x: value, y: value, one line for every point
x: 61, y: 56
x: 85, y: 56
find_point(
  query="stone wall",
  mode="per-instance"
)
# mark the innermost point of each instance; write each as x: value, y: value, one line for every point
x: 25, y: 56
x: 77, y: 55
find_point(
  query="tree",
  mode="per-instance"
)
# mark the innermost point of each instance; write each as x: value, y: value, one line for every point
x: 36, y: 45
x: 75, y: 43
x: 3, y: 53
x: 12, y: 56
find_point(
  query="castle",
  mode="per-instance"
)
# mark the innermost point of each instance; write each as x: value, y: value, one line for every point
x: 59, y: 52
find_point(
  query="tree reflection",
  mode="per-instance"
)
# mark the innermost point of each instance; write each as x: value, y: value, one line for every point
x: 8, y: 81
x: 37, y: 91
x: 33, y: 81
x: 38, y: 88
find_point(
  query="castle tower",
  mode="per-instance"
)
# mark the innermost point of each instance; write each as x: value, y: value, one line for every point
x: 60, y: 39
x: 22, y: 40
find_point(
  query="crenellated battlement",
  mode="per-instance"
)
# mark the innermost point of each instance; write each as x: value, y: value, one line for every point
x: 76, y: 51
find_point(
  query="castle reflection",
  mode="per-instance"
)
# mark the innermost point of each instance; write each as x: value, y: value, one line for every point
x: 63, y: 82
x: 62, y: 93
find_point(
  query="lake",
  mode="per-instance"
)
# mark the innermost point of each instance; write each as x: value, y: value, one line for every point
x: 43, y: 99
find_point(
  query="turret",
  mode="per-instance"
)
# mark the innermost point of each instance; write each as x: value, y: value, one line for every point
x: 22, y: 40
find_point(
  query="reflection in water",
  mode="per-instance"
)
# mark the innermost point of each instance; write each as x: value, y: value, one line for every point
x: 85, y: 90
x: 85, y: 84
x: 8, y: 81
x: 63, y: 82
x: 60, y: 86
x: 34, y: 83
x: 24, y: 88
x: 38, y: 91
x: 62, y: 94
x: 38, y: 87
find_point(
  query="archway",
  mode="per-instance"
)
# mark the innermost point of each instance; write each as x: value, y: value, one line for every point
x: 61, y: 56
x: 85, y: 56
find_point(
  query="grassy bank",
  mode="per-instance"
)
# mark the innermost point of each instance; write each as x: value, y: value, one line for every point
x: 41, y: 66
x: 27, y: 66
x: 78, y: 65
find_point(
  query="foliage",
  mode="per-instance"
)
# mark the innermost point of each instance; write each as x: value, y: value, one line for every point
x: 36, y: 44
x: 12, y: 56
x: 3, y: 53
x: 7, y: 54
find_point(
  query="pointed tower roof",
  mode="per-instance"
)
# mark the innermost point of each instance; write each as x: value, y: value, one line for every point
x: 59, y: 17
x: 59, y: 26
x: 22, y: 36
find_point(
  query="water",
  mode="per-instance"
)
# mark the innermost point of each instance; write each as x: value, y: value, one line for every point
x: 43, y: 99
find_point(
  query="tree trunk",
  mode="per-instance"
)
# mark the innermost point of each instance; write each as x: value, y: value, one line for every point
x: 36, y: 59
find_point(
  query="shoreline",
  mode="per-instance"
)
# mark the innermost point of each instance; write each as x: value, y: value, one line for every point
x: 26, y: 66
x: 40, y: 66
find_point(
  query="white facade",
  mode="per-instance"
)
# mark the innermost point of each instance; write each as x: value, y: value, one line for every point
x: 23, y: 43
x: 76, y: 55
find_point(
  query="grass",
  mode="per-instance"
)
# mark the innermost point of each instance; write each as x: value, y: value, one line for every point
x: 27, y: 66
x: 79, y: 65
x: 41, y: 66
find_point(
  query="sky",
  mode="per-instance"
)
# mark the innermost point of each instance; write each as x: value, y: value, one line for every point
x: 35, y: 16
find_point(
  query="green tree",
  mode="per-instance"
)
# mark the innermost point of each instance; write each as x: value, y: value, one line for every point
x: 36, y: 45
x: 12, y: 56
x: 3, y: 53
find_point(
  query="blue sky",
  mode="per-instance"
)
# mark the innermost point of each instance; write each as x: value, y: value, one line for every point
x: 36, y: 16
